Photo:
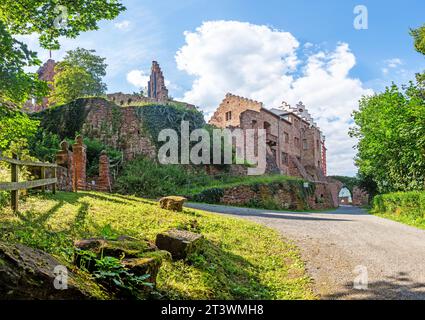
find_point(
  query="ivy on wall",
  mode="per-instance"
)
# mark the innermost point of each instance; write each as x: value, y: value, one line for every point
x: 65, y: 121
x: 158, y: 117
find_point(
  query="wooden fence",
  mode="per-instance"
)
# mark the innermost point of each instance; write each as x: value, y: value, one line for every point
x: 14, y: 186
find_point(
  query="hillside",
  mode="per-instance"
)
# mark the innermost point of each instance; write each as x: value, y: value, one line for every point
x: 238, y: 260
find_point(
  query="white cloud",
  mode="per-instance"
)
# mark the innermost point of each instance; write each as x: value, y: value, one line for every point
x: 393, y: 63
x: 123, y: 25
x: 261, y: 63
x: 137, y: 78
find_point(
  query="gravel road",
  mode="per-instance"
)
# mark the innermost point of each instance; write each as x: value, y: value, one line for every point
x: 342, y: 247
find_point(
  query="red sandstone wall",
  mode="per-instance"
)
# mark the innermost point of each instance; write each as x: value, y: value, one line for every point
x: 236, y: 105
x: 285, y: 197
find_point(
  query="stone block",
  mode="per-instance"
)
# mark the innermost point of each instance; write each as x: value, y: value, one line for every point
x: 179, y: 243
x: 123, y: 247
x: 172, y: 203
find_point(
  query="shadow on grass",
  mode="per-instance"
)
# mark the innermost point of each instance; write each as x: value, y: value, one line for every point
x: 399, y: 287
x: 224, y: 274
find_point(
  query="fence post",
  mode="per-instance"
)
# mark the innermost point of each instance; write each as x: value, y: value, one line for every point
x: 55, y: 175
x: 43, y: 176
x: 15, y: 178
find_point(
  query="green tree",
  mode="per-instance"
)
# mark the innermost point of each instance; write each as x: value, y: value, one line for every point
x: 391, y: 130
x: 419, y: 42
x: 90, y: 62
x: 14, y: 126
x: 78, y: 75
x: 72, y: 82
x: 50, y: 20
x: 16, y: 86
x: 419, y: 38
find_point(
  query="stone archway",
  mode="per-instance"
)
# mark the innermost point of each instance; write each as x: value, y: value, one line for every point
x: 345, y: 197
x: 359, y: 197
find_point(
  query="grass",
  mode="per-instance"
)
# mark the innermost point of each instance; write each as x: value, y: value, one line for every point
x: 404, y: 207
x: 411, y: 221
x: 239, y: 259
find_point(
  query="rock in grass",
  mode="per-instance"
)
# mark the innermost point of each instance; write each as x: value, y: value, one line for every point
x: 172, y: 203
x: 124, y: 247
x: 137, y: 257
x: 179, y: 243
x: 148, y: 263
x: 27, y: 274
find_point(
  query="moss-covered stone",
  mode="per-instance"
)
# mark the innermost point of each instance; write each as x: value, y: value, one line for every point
x: 27, y: 273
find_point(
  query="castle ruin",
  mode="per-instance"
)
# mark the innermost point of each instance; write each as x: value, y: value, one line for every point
x: 156, y: 85
x: 295, y: 144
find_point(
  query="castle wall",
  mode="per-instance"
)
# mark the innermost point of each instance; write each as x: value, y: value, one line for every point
x: 236, y: 105
x: 293, y: 145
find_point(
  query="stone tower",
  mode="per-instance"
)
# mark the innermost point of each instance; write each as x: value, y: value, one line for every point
x: 46, y: 73
x: 156, y: 86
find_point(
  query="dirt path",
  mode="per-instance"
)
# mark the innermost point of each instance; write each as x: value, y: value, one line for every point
x: 334, y: 244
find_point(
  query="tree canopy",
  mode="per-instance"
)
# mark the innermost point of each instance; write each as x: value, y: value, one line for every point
x: 390, y: 127
x: 419, y: 38
x: 78, y: 75
x: 50, y: 19
x: 391, y: 130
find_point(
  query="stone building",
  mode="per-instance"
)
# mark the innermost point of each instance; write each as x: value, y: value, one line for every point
x: 295, y: 144
x: 156, y: 85
x: 46, y: 73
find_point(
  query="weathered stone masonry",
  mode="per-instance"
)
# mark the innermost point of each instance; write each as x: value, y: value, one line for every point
x: 294, y: 142
x: 72, y: 169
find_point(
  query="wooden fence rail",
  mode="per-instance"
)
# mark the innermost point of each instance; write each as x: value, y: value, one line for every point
x: 14, y: 186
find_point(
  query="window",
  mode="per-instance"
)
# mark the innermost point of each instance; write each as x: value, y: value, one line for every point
x: 254, y: 124
x: 318, y: 144
x: 267, y: 127
x: 286, y: 135
x: 228, y: 115
x: 305, y: 144
x: 297, y: 142
x: 284, y: 158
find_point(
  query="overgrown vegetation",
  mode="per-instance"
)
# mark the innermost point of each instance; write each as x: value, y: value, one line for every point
x: 238, y: 260
x: 265, y: 187
x: 64, y: 121
x: 405, y: 207
x: 94, y: 149
x: 159, y: 117
x: 147, y: 178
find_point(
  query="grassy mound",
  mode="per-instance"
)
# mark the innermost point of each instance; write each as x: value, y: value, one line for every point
x: 405, y: 207
x: 239, y: 260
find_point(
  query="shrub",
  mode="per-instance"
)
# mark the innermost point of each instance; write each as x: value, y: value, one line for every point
x: 410, y: 204
x: 144, y: 177
x: 213, y: 195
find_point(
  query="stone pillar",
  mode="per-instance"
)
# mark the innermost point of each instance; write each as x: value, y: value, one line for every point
x: 65, y: 171
x: 104, y: 181
x: 80, y: 163
x: 360, y: 197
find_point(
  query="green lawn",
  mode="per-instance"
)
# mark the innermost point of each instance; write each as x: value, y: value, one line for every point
x: 406, y: 219
x: 239, y: 260
x: 404, y: 207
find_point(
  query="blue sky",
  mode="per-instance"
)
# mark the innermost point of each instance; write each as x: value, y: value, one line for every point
x: 325, y: 60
